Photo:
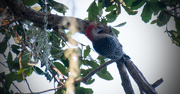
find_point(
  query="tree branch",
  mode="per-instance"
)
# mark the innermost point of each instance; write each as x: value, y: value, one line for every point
x: 85, y: 79
x: 59, y: 87
x: 139, y: 78
x: 54, y: 21
x: 28, y: 85
x: 126, y: 83
x: 55, y: 69
x: 157, y: 83
x: 169, y: 13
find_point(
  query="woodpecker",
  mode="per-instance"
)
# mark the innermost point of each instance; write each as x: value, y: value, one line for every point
x: 104, y: 44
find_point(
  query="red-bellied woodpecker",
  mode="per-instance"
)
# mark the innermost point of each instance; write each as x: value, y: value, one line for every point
x: 104, y: 44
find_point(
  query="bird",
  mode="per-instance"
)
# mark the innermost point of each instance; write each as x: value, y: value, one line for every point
x: 104, y: 44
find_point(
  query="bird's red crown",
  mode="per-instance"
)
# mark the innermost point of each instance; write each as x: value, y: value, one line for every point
x: 89, y: 31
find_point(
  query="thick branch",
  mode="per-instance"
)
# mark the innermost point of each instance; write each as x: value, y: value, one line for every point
x: 126, y: 83
x: 54, y: 21
x: 139, y: 78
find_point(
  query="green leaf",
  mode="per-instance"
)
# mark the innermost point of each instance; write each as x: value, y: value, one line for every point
x: 4, y: 43
x: 3, y: 31
x: 38, y: 70
x: 129, y: 2
x: 61, y: 68
x: 106, y: 75
x: 3, y: 47
x: 21, y: 70
x: 59, y: 7
x: 48, y: 76
x: 146, y: 13
x: 110, y: 8
x: 175, y: 37
x: 93, y: 12
x: 9, y: 61
x: 9, y: 79
x: 54, y: 51
x: 163, y: 18
x: 120, y: 25
x: 111, y: 16
x: 2, y: 75
x: 129, y: 10
x: 29, y: 2
x: 177, y: 24
x: 155, y: 7
x: 65, y: 60
x: 90, y: 63
x: 102, y: 61
x: 15, y: 49
x: 90, y: 81
x: 106, y: 3
x: 137, y: 4
x: 10, y: 58
x: 87, y: 51
x: 161, y: 5
x: 82, y: 90
x: 25, y: 58
x: 100, y: 6
x: 15, y: 63
x: 12, y: 64
x: 19, y: 29
x: 154, y: 21
x: 84, y: 72
x: 115, y: 31
x: 118, y: 8
x: 19, y: 77
x: 29, y: 71
x: 104, y: 21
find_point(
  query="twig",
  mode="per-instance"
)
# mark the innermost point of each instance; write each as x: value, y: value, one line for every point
x: 14, y: 20
x: 16, y: 87
x: 168, y: 13
x: 126, y: 83
x: 59, y: 87
x: 54, y: 68
x: 58, y: 80
x: 85, y: 79
x: 28, y: 85
x: 157, y: 83
x: 3, y: 65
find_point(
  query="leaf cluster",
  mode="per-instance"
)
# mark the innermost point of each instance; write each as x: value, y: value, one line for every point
x: 162, y: 9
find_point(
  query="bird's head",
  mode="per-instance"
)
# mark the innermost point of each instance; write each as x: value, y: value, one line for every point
x: 92, y: 32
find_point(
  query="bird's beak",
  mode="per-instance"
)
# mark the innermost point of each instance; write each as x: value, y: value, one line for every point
x: 100, y: 30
